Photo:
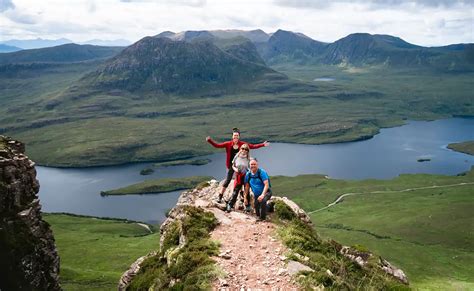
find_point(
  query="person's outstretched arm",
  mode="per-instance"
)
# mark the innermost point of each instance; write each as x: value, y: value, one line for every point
x: 258, y: 145
x: 215, y: 144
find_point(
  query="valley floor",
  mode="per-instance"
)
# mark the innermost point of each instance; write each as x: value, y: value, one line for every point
x: 95, y: 252
x: 81, y: 128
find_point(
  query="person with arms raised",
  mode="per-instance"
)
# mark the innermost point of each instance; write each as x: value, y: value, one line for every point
x: 232, y: 147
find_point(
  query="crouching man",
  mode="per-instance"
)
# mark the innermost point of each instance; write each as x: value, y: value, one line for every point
x: 258, y: 180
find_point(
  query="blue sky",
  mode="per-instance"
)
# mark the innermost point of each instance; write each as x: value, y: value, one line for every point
x: 423, y: 22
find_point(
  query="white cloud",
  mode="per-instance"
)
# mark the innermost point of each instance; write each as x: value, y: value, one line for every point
x: 437, y: 22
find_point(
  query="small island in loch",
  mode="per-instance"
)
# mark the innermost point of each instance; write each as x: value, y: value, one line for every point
x: 159, y: 186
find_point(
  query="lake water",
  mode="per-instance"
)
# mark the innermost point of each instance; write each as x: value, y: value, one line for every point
x: 388, y: 154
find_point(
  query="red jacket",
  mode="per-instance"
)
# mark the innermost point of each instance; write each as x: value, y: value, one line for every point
x: 228, y: 148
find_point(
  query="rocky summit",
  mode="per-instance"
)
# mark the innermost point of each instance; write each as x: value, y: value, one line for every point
x: 204, y: 247
x: 28, y: 254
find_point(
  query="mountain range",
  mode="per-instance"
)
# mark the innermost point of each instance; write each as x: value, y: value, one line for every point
x: 355, y: 49
x: 219, y: 62
x: 20, y: 44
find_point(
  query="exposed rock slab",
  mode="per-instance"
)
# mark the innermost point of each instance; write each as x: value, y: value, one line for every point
x: 295, y: 267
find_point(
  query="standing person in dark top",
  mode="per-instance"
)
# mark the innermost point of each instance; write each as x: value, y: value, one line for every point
x: 232, y: 147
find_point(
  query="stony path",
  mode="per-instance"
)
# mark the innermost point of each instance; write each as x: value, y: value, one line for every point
x: 250, y: 255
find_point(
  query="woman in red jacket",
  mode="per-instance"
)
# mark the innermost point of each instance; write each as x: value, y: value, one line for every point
x: 232, y: 147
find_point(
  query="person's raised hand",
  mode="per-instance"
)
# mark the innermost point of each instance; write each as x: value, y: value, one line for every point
x: 208, y: 138
x: 266, y: 143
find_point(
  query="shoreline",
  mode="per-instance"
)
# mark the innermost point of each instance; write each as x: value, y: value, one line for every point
x: 211, y: 151
x: 124, y: 220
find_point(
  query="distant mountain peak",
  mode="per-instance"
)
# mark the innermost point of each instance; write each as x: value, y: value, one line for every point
x: 174, y: 65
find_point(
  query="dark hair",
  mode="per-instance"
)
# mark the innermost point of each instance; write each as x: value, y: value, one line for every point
x: 235, y: 129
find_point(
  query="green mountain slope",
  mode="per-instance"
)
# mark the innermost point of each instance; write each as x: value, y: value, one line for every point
x: 284, y: 46
x: 66, y: 53
x: 363, y: 48
x: 162, y: 65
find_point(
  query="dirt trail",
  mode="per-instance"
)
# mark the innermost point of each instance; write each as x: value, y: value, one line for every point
x: 251, y: 256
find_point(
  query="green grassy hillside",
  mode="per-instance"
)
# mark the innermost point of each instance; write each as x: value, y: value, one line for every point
x: 95, y: 252
x: 427, y: 232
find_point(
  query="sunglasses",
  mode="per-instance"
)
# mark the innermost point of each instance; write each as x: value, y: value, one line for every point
x: 245, y: 149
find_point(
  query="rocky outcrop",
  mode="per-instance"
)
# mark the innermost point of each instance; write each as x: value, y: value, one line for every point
x: 298, y: 211
x: 28, y: 254
x: 127, y: 277
x: 363, y: 257
x: 281, y: 272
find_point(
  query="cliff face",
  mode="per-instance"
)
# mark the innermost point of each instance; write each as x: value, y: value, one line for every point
x: 28, y: 254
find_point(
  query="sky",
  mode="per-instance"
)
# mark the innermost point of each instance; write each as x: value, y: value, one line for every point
x: 423, y: 22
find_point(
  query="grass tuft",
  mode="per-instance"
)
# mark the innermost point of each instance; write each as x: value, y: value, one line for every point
x: 186, y: 267
x: 331, y: 269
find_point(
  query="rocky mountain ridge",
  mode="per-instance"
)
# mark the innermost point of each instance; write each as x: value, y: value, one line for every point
x: 250, y: 254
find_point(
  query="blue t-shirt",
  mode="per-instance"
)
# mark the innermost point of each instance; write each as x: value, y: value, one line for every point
x: 255, y: 183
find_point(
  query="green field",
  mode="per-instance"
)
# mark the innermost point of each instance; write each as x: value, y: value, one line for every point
x: 466, y: 147
x: 118, y: 127
x: 159, y: 185
x: 427, y: 232
x: 95, y: 252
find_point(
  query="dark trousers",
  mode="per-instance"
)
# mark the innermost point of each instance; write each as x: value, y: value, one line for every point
x: 261, y: 206
x: 230, y: 174
x: 228, y: 178
x: 235, y: 195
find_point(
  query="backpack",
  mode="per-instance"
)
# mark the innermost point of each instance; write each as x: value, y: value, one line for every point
x: 259, y: 176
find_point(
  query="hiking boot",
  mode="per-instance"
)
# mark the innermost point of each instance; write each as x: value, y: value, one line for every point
x: 219, y: 200
x: 247, y: 208
x: 228, y: 208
